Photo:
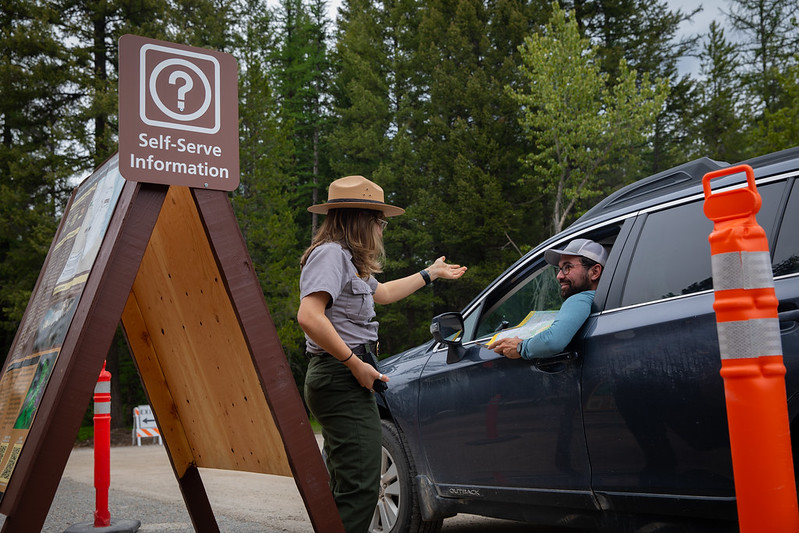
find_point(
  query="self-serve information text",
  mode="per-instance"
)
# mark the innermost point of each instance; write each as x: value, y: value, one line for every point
x: 167, y: 144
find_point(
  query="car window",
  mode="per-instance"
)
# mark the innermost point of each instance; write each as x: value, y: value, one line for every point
x: 672, y: 255
x: 537, y: 291
x: 786, y: 255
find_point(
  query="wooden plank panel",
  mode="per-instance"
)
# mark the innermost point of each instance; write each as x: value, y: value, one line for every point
x: 270, y: 362
x: 203, y: 355
x: 155, y: 385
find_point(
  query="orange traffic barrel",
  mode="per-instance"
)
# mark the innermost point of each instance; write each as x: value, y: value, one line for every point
x: 751, y: 358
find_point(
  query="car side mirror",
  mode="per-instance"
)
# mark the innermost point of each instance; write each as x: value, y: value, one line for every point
x: 447, y: 328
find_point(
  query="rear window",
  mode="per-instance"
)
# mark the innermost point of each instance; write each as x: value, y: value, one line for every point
x: 786, y: 255
x: 672, y: 255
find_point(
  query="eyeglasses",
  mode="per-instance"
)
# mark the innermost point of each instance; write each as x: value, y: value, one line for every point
x: 382, y: 222
x: 565, y: 268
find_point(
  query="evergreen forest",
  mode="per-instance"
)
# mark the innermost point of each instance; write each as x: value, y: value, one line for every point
x: 494, y: 123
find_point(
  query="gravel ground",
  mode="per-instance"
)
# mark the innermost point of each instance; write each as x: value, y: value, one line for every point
x: 144, y: 488
x: 74, y: 505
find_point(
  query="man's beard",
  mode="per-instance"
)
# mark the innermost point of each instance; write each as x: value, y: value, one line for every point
x: 579, y: 285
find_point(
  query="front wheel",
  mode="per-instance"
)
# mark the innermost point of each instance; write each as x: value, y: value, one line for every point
x: 397, y: 508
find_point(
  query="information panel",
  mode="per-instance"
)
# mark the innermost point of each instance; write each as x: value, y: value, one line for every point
x: 51, y: 308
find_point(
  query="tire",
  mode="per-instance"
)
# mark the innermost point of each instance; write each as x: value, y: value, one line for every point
x: 397, y: 508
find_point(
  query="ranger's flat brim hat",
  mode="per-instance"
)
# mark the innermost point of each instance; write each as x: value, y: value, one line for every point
x: 356, y: 192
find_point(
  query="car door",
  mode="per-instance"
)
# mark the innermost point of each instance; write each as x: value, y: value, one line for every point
x: 654, y: 404
x: 786, y: 287
x: 491, y: 426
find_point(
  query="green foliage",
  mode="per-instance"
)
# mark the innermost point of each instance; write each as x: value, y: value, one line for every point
x: 770, y: 36
x: 33, y: 173
x: 780, y: 128
x: 471, y: 140
x: 361, y: 93
x: 262, y: 202
x: 91, y: 57
x: 493, y: 123
x: 126, y: 387
x: 645, y: 34
x: 578, y: 123
x: 203, y: 23
x: 719, y: 127
x: 418, y: 88
x: 300, y: 68
x: 85, y: 433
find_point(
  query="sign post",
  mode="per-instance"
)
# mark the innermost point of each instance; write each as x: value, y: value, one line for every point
x: 178, y: 114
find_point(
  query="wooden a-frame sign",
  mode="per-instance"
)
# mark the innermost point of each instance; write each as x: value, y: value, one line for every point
x: 171, y: 264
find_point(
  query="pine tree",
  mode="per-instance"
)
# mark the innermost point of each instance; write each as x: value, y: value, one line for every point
x: 262, y: 200
x: 419, y: 89
x: 361, y: 91
x: 779, y: 129
x: 34, y: 171
x: 469, y: 142
x: 59, y: 121
x: 644, y: 34
x: 302, y: 69
x: 769, y: 43
x: 720, y: 130
x: 202, y: 23
x: 769, y: 37
x: 579, y: 124
x: 91, y: 31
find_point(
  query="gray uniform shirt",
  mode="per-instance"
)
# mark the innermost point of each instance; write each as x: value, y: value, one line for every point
x: 329, y: 269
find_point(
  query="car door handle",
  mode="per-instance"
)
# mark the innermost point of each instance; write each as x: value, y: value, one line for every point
x: 788, y: 319
x: 789, y: 316
x: 556, y: 363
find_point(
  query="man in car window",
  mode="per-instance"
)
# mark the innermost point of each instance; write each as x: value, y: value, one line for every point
x: 579, y: 266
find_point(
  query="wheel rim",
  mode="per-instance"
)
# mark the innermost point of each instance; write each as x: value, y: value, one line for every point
x: 390, y: 497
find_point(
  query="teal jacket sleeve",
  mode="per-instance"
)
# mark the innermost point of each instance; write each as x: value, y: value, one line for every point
x: 568, y: 321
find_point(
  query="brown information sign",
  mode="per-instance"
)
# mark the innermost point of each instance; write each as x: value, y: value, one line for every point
x: 171, y: 262
x: 178, y: 114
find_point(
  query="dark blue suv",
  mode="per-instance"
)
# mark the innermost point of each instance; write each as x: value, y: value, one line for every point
x: 625, y: 430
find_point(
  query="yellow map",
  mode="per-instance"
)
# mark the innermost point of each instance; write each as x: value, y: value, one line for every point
x: 534, y: 323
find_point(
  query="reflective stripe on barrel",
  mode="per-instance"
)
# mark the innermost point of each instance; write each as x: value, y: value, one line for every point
x: 102, y: 397
x: 742, y: 270
x: 749, y: 338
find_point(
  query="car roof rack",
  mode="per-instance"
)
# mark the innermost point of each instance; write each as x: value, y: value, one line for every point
x: 789, y: 154
x: 683, y: 177
x: 668, y: 181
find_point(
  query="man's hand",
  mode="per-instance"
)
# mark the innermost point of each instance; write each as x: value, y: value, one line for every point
x: 507, y: 347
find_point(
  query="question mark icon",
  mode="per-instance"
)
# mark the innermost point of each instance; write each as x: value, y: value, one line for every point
x: 183, y: 76
x: 183, y: 89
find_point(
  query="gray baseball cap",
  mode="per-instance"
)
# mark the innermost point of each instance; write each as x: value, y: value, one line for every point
x: 583, y: 247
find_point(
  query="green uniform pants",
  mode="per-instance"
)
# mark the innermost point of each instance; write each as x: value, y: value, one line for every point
x: 352, y: 433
